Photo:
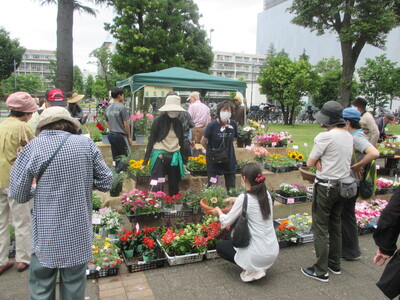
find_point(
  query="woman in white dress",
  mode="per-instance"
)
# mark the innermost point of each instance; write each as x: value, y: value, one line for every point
x: 263, y: 249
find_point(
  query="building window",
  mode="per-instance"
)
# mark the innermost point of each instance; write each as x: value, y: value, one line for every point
x: 220, y: 57
x: 228, y: 58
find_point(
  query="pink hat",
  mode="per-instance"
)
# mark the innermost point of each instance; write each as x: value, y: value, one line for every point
x: 22, y: 102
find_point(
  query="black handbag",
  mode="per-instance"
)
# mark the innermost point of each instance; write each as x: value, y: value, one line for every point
x: 241, y: 232
x: 390, y: 279
x: 220, y: 155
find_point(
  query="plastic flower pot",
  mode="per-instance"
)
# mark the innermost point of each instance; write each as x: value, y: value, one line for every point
x: 129, y: 253
x: 208, y: 209
x: 178, y: 207
x: 146, y: 258
x: 92, y: 267
x: 139, y: 249
x: 105, y: 265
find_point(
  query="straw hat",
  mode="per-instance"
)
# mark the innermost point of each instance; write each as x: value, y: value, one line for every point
x: 172, y: 103
x: 75, y: 98
x: 54, y: 114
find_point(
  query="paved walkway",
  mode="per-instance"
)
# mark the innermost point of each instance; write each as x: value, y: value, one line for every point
x: 218, y: 279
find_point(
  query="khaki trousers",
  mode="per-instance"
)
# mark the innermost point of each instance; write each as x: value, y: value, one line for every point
x: 198, y: 133
x: 21, y: 219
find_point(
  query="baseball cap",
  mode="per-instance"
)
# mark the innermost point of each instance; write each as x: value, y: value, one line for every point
x: 56, y: 98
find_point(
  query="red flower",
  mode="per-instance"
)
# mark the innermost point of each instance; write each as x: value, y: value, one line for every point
x: 148, y: 242
x: 200, y: 241
x: 118, y: 261
x: 100, y: 127
x: 123, y: 239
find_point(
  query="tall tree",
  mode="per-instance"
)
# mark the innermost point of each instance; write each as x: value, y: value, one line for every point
x: 154, y: 35
x: 89, y: 87
x: 99, y: 89
x: 287, y: 82
x: 376, y: 80
x: 10, y: 53
x: 330, y: 71
x: 357, y: 23
x: 78, y: 85
x: 103, y: 56
x: 65, y: 23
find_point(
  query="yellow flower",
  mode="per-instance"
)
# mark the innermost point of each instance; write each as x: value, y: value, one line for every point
x: 214, y: 200
x: 98, y: 236
x: 300, y: 157
x: 107, y: 245
x: 107, y: 239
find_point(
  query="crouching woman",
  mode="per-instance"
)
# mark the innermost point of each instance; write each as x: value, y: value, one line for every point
x: 263, y: 249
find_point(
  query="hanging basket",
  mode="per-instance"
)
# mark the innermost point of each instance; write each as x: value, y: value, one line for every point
x: 307, y: 175
x: 208, y: 209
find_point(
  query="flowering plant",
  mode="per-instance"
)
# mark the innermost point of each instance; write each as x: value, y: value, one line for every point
x: 279, y: 139
x: 285, y: 231
x: 135, y: 168
x: 142, y: 202
x: 110, y: 220
x: 105, y: 253
x: 302, y: 222
x: 295, y: 155
x: 382, y: 183
x: 367, y: 214
x: 140, y: 120
x: 101, y: 119
x: 191, y: 196
x: 212, y: 228
x: 197, y: 163
x: 260, y: 154
x: 169, y: 202
x: 215, y: 196
x: 293, y: 189
x: 277, y: 160
x: 246, y: 132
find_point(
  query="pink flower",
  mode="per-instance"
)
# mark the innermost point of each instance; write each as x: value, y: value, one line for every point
x: 149, y: 117
x: 105, y: 259
x: 133, y: 118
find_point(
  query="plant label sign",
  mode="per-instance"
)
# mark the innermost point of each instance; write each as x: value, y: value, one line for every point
x: 273, y: 144
x: 103, y: 210
x: 213, y: 180
x: 290, y: 201
x: 305, y: 145
x: 248, y: 148
x: 96, y: 221
x: 378, y: 167
x: 262, y: 126
x: 153, y: 182
x: 295, y: 147
x: 161, y: 179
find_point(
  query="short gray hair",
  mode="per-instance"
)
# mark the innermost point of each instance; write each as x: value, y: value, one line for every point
x: 195, y: 95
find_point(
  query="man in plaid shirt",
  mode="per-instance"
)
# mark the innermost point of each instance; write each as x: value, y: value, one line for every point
x: 61, y: 216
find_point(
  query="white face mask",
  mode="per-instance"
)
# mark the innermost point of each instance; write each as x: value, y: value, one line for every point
x: 172, y: 114
x: 225, y: 115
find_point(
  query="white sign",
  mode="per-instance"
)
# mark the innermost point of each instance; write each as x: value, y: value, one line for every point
x: 273, y: 144
x: 378, y: 167
x: 153, y: 182
x: 161, y: 179
x: 96, y: 221
x: 103, y: 210
x: 295, y: 147
x: 290, y: 201
x: 157, y: 91
x: 305, y: 145
x: 248, y: 147
x: 213, y: 180
x: 262, y: 126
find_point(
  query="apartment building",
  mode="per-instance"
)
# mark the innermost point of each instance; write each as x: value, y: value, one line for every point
x: 37, y: 62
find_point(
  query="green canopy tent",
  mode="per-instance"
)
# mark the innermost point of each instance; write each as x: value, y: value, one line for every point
x: 183, y: 79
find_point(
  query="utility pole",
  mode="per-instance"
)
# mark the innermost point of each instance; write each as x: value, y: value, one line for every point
x: 252, y: 79
x: 15, y: 76
x: 211, y: 31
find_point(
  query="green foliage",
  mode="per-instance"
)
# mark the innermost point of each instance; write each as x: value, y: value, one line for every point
x: 215, y: 196
x: 96, y: 202
x: 287, y: 81
x: 78, y: 85
x: 154, y: 35
x: 376, y: 82
x: 89, y: 87
x: 30, y: 83
x: 10, y: 51
x: 103, y: 56
x: 99, y: 88
x: 356, y: 23
x: 11, y: 230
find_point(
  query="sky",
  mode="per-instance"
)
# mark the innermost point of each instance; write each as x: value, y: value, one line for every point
x: 234, y: 24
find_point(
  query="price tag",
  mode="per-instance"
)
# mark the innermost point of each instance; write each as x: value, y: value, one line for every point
x: 87, y: 272
x: 262, y: 126
x: 248, y: 147
x: 161, y: 179
x: 113, y: 164
x: 103, y: 210
x: 174, y: 211
x: 305, y: 144
x: 290, y: 201
x: 153, y: 182
x: 378, y: 167
x: 213, y: 180
x: 273, y: 144
x: 137, y: 227
x: 294, y: 240
x: 295, y: 147
x: 140, y: 262
x: 96, y: 221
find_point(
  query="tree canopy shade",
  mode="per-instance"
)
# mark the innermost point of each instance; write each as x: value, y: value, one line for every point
x: 10, y: 53
x: 183, y: 79
x: 357, y: 23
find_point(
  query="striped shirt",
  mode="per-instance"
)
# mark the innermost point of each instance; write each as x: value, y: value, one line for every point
x: 61, y: 216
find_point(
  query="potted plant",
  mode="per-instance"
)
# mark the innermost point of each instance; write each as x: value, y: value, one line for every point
x: 104, y: 251
x: 118, y: 180
x: 139, y: 173
x: 142, y: 202
x: 286, y: 233
x: 192, y: 198
x: 260, y: 154
x: 367, y: 214
x: 291, y: 193
x: 214, y: 196
x: 245, y: 135
x: 197, y: 165
x: 141, y: 123
x: 100, y: 124
x: 126, y: 243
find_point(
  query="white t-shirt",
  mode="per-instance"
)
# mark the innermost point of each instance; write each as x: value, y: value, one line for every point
x: 335, y: 149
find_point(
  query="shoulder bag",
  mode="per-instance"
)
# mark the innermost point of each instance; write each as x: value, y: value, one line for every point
x: 241, y: 232
x: 22, y: 137
x: 220, y: 155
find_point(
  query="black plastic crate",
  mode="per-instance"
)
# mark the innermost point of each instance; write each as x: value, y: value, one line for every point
x: 289, y: 199
x: 134, y: 265
x: 140, y: 217
x: 198, y: 172
x: 288, y: 243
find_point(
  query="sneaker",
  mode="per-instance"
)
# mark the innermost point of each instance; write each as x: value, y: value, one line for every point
x: 310, y: 272
x: 351, y: 259
x: 335, y: 270
x: 248, y: 276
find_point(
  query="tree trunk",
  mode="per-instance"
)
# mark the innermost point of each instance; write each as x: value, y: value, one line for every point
x: 347, y: 73
x: 292, y: 114
x: 65, y: 64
